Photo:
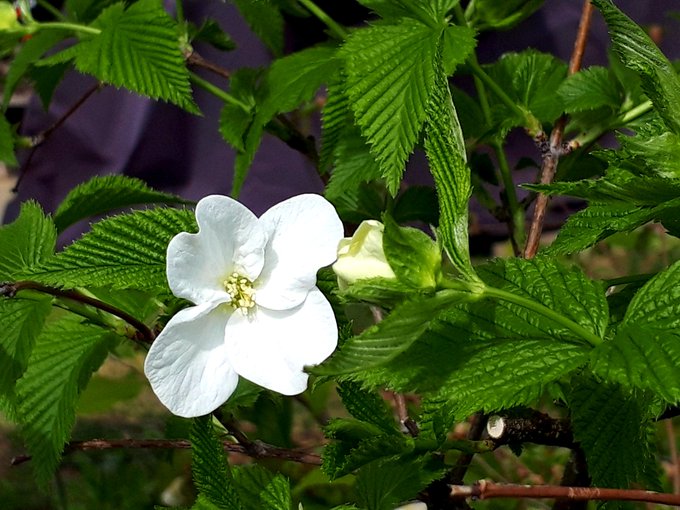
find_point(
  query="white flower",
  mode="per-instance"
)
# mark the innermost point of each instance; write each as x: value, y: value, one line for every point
x: 362, y: 256
x: 257, y: 313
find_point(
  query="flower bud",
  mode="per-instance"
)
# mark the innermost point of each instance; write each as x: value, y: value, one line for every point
x: 8, y: 16
x: 362, y: 256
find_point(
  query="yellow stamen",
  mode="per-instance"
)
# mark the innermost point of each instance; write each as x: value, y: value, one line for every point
x: 241, y: 291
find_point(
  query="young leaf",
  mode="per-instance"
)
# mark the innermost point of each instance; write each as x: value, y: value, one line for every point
x: 27, y: 242
x: 138, y: 48
x: 657, y: 304
x: 614, y: 430
x: 445, y: 149
x: 211, y: 32
x: 103, y: 194
x: 126, y: 251
x: 210, y: 468
x: 21, y: 321
x: 7, y: 143
x: 390, y: 75
x: 367, y: 406
x: 265, y: 19
x: 64, y: 357
x: 335, y: 119
x: 457, y: 44
x: 388, y: 338
x: 590, y: 89
x: 638, y: 52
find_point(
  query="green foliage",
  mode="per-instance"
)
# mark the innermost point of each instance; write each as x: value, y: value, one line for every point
x: 137, y: 48
x: 614, y: 430
x: 21, y: 320
x: 7, y: 143
x: 488, y: 14
x: 60, y: 365
x: 638, y: 52
x: 26, y: 243
x: 366, y: 406
x: 445, y: 149
x: 590, y: 89
x: 412, y: 255
x: 260, y: 489
x: 388, y: 338
x: 126, y: 251
x: 265, y: 20
x: 390, y: 75
x: 103, y: 194
x: 85, y: 11
x: 211, y: 33
x: 210, y: 468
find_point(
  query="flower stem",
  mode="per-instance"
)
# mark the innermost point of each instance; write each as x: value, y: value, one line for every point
x: 62, y: 25
x: 334, y: 27
x: 624, y: 118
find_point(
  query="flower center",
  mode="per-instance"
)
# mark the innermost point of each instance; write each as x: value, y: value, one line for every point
x: 241, y: 291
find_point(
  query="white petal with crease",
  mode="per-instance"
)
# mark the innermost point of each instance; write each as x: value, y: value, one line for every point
x: 187, y: 364
x: 271, y: 347
x: 304, y: 232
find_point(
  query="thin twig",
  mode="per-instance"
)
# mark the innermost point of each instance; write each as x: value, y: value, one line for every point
x: 41, y: 138
x: 10, y: 289
x: 555, y: 149
x: 267, y: 450
x: 672, y: 446
x: 402, y: 413
x: 488, y: 490
x: 194, y: 59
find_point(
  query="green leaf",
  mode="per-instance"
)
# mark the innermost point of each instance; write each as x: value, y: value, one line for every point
x: 335, y: 119
x: 590, y: 89
x: 415, y: 204
x: 532, y: 80
x: 367, y: 406
x: 490, y: 14
x: 21, y: 321
x: 394, y: 334
x: 641, y: 356
x: 235, y: 121
x: 457, y: 44
x: 638, y: 52
x: 657, y: 153
x: 381, y: 485
x: 27, y: 242
x: 429, y: 12
x: 45, y: 80
x: 126, y: 251
x: 210, y: 468
x: 260, y: 489
x: 64, y: 357
x: 614, y: 430
x: 85, y: 11
x: 7, y: 143
x: 138, y: 48
x: 413, y: 256
x: 657, y: 304
x: 265, y: 19
x: 104, y: 194
x: 390, y: 75
x: 445, y: 149
x: 211, y: 32
x: 354, y: 165
x: 29, y: 53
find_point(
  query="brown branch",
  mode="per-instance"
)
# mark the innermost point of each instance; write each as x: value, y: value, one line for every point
x: 675, y: 462
x: 402, y: 413
x: 267, y: 450
x: 538, y: 428
x: 41, y: 138
x: 555, y: 148
x: 194, y: 59
x: 488, y: 490
x: 10, y: 289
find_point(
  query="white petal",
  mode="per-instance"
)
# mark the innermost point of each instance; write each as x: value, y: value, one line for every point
x: 229, y: 239
x: 188, y: 365
x: 304, y: 232
x: 270, y: 348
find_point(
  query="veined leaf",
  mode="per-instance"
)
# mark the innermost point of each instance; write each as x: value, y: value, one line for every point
x: 430, y: 12
x: 64, y: 357
x: 457, y: 44
x: 367, y: 406
x: 354, y: 165
x: 590, y: 89
x: 657, y: 304
x: 335, y: 119
x: 21, y: 321
x: 126, y: 251
x: 445, y: 149
x: 388, y: 338
x: 85, y: 11
x: 260, y: 489
x: 235, y: 121
x: 641, y: 356
x: 390, y: 76
x: 615, y: 433
x: 210, y: 468
x: 414, y: 257
x: 7, y: 143
x: 26, y: 243
x: 138, y: 48
x: 103, y: 194
x: 638, y: 52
